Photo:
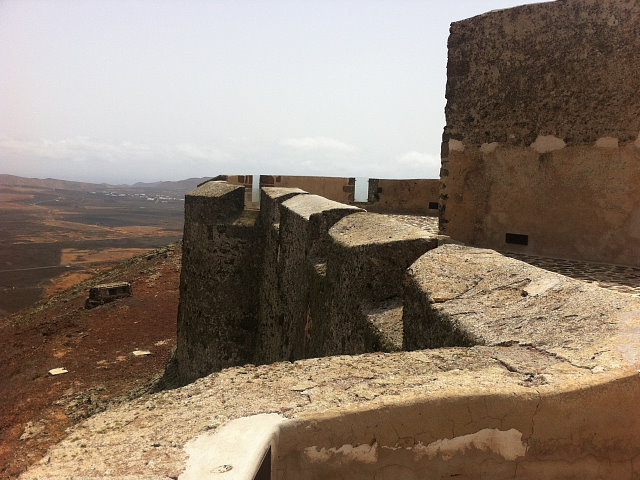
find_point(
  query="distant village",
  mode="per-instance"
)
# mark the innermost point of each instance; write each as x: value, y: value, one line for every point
x: 142, y: 196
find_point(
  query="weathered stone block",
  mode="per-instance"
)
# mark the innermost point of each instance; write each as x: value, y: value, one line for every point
x: 366, y: 263
x: 212, y: 202
x: 270, y: 334
x: 304, y: 222
x: 270, y: 200
x: 462, y: 296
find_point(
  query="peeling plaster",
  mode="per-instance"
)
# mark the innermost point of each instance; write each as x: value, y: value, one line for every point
x: 346, y: 453
x: 607, y: 142
x: 508, y: 445
x: 548, y: 143
x: 489, y: 147
x: 456, y: 146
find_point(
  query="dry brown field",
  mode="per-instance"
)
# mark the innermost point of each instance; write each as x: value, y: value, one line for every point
x: 51, y: 238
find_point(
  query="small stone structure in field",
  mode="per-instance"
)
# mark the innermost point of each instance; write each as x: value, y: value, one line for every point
x: 107, y: 292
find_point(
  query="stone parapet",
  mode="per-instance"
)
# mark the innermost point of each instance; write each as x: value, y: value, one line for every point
x: 221, y: 261
x: 304, y: 223
x: 270, y: 200
x: 365, y: 269
x: 540, y: 380
x: 338, y: 189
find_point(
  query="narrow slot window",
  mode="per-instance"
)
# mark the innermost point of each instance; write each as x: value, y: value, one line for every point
x: 517, y: 239
x: 433, y: 205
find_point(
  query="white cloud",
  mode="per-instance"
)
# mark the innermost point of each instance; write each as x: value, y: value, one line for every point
x: 76, y: 149
x: 200, y: 153
x: 418, y: 165
x: 318, y: 143
x: 418, y: 160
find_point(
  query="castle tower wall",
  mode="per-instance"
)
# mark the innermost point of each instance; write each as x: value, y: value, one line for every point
x: 541, y: 152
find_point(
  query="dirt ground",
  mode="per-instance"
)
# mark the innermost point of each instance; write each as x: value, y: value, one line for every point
x: 95, y: 346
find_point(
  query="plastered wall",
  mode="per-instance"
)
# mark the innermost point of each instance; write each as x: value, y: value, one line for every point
x: 498, y: 435
x: 542, y: 135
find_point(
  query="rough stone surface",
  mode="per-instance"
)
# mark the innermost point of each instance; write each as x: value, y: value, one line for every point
x: 619, y: 278
x: 365, y: 268
x: 303, y: 243
x: 534, y: 402
x: 270, y: 325
x: 400, y: 402
x: 464, y: 296
x: 270, y: 200
x: 386, y: 317
x: 566, y: 68
x: 310, y: 277
x: 222, y: 249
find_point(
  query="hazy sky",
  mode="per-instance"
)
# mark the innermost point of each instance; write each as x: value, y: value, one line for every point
x: 121, y: 91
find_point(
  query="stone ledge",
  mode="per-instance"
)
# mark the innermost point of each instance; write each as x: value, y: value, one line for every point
x: 361, y: 229
x: 214, y: 188
x: 400, y: 402
x: 487, y: 298
x: 307, y: 206
x: 270, y: 200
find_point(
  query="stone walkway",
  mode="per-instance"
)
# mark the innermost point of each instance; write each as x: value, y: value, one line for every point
x: 619, y: 278
x: 429, y: 224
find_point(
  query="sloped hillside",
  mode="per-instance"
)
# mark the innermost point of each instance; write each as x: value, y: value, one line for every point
x: 96, y: 348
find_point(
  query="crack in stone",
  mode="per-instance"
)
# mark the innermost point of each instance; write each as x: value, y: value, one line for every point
x: 509, y: 367
x: 542, y: 351
x: 455, y: 297
x: 533, y: 418
x: 555, y: 355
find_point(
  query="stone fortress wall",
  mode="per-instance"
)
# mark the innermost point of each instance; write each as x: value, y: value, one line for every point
x: 398, y: 196
x: 414, y: 196
x: 541, y: 149
x: 532, y: 360
x: 302, y: 277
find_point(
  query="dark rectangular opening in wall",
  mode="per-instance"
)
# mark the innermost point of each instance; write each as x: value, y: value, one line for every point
x: 517, y: 239
x: 433, y: 205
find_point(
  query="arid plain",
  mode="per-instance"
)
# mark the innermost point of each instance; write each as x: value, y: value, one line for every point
x: 55, y: 233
